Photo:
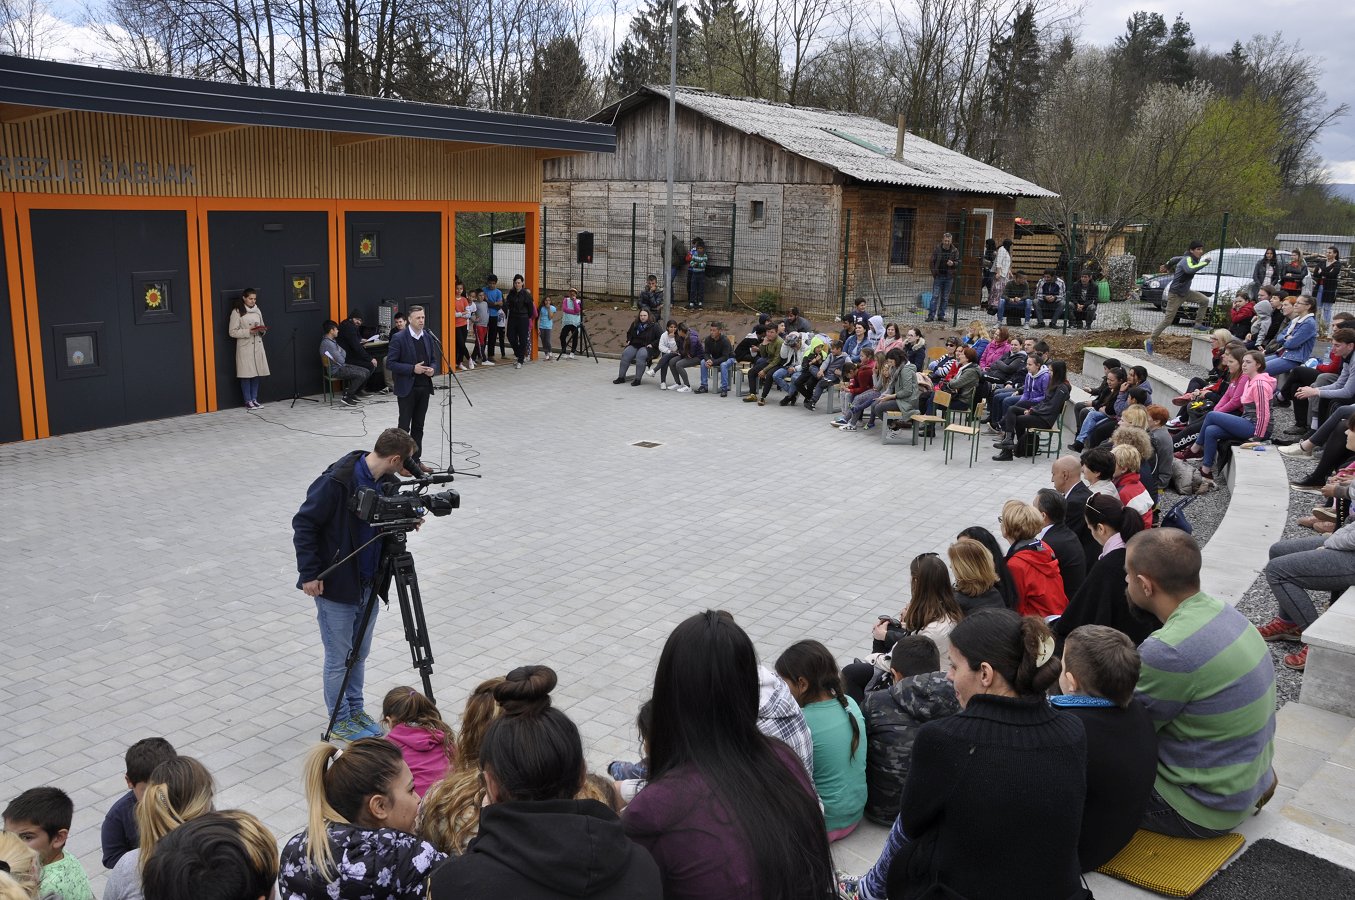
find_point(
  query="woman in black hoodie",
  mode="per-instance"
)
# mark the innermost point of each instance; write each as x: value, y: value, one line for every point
x: 536, y: 841
x: 639, y: 336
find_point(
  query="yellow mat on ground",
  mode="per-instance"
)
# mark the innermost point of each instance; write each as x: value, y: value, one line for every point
x: 1177, y: 867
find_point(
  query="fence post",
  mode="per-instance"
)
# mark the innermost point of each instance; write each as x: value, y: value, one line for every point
x: 733, y: 231
x: 955, y: 281
x: 633, y: 207
x: 545, y: 273
x: 1072, y: 267
x: 846, y: 248
x: 1218, y: 272
x: 491, y: 242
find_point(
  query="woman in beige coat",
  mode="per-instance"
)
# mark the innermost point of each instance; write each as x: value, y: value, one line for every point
x: 248, y: 329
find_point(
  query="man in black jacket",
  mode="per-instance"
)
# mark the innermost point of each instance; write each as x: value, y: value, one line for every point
x: 1066, y: 475
x: 350, y: 339
x: 521, y: 310
x: 945, y: 262
x: 1081, y: 301
x: 325, y: 531
x: 716, y: 351
x: 1060, y: 538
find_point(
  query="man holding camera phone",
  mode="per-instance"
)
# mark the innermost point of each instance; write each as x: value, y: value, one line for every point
x: 324, y: 531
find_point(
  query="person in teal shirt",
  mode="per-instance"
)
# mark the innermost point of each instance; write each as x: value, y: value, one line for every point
x: 838, y: 729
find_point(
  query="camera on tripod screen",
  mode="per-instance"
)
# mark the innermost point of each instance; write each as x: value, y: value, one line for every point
x: 402, y: 506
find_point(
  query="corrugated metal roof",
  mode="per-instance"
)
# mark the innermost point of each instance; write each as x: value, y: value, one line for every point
x: 857, y: 146
x: 42, y: 83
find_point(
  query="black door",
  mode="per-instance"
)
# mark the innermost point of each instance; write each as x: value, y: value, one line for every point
x: 11, y: 428
x: 114, y: 309
x: 285, y: 257
x: 395, y: 256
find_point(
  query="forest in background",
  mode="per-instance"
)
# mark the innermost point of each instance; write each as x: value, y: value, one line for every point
x: 1151, y: 128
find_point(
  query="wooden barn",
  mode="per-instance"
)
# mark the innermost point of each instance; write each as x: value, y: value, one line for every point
x: 134, y: 209
x: 810, y: 203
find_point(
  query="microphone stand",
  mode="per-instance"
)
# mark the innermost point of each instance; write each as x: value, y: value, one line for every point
x: 451, y: 375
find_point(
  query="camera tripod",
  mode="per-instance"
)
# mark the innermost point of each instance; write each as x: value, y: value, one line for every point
x: 397, y: 564
x: 584, y: 342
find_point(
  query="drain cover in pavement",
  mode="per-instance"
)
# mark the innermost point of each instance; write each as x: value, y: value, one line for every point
x: 648, y: 445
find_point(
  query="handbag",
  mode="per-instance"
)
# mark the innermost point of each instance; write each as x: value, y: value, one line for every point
x: 1176, y: 516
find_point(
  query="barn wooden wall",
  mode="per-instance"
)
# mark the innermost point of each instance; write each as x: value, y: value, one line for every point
x: 706, y: 150
x: 131, y: 156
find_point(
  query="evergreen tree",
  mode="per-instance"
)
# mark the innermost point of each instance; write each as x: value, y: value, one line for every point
x: 1015, y: 74
x: 1180, y: 68
x: 643, y: 57
x: 558, y: 83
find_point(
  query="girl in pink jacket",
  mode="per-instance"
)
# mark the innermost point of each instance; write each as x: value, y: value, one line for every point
x: 413, y: 724
x: 1243, y: 414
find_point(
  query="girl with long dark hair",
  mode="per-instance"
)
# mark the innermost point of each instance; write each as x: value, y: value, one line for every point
x: 728, y: 813
x: 536, y: 840
x: 1041, y: 415
x: 838, y: 729
x: 1101, y: 598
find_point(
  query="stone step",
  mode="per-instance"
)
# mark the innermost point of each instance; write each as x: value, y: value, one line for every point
x: 1166, y: 384
x: 1325, y: 801
x: 1329, y: 677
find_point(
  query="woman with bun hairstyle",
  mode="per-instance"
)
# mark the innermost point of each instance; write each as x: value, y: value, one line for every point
x: 450, y: 813
x: 179, y: 790
x: 358, y: 843
x: 536, y: 841
x: 1008, y: 760
x: 1101, y: 598
x: 728, y: 813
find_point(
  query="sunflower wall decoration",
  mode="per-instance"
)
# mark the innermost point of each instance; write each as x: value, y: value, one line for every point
x: 155, y: 297
x: 367, y: 245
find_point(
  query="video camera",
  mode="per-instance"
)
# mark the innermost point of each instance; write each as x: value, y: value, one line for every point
x: 402, y: 506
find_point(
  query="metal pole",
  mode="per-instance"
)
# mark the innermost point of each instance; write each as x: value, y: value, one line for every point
x: 733, y: 230
x: 1072, y: 265
x: 545, y: 273
x: 632, y: 250
x: 1218, y: 271
x: 954, y: 296
x: 846, y: 244
x: 672, y: 128
x: 491, y: 243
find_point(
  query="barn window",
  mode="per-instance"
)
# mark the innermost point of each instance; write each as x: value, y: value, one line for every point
x: 901, y: 236
x: 757, y: 212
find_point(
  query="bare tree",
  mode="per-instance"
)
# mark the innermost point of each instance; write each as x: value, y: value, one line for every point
x: 28, y: 28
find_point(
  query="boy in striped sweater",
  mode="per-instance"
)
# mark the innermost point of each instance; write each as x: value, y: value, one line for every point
x: 1208, y: 684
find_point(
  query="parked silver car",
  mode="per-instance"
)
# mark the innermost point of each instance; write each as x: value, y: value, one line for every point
x: 1230, y: 269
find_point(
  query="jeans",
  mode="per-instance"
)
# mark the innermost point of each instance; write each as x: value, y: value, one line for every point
x: 544, y: 336
x: 662, y: 365
x: 1094, y: 417
x: 638, y: 356
x: 1054, y: 311
x: 941, y: 288
x: 822, y: 385
x: 249, y: 387
x: 354, y: 377
x: 1161, y: 817
x: 780, y: 376
x: 707, y: 367
x: 1002, y: 307
x: 1325, y: 307
x: 1277, y: 366
x: 725, y: 368
x: 872, y: 884
x: 696, y: 288
x: 1174, y: 302
x: 861, y: 403
x: 338, y: 632
x: 1297, y: 566
x: 1220, y: 426
x: 680, y: 368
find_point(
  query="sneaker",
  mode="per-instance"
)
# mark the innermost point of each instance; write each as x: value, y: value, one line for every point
x: 517, y: 365
x: 470, y: 364
x: 1305, y: 488
x: 838, y: 422
x: 461, y: 367
x: 1278, y: 629
x: 1297, y: 429
x: 569, y: 356
x: 651, y: 371
x: 348, y: 401
x: 368, y: 723
x: 348, y: 730
x: 635, y: 383
x: 1148, y: 346
x: 1296, y: 450
x: 724, y: 393
x: 1175, y: 423
x: 1296, y: 661
x: 702, y: 390
x: 849, y: 427
x: 663, y: 385
x: 682, y: 389
x: 751, y: 398
x: 488, y: 362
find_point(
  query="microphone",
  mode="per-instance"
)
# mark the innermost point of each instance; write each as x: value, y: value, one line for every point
x: 435, y: 478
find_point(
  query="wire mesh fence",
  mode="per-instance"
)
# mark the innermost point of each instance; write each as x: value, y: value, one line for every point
x: 822, y: 256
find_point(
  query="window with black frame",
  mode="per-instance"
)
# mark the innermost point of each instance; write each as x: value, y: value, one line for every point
x: 901, y: 236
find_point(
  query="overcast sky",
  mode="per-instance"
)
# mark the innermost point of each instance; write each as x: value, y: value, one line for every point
x: 1325, y: 30
x: 1215, y: 23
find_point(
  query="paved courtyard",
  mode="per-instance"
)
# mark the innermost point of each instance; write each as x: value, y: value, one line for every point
x: 149, y: 569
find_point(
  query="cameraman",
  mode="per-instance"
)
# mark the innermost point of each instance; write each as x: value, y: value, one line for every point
x: 324, y: 530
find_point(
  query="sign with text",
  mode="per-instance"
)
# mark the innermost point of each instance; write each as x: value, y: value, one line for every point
x: 27, y: 170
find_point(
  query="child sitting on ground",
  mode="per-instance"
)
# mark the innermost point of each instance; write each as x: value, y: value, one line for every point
x: 631, y: 777
x: 1100, y: 669
x: 838, y: 730
x: 41, y: 817
x: 413, y: 724
x: 120, y: 834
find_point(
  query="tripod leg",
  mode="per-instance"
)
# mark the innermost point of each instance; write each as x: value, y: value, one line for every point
x: 411, y: 612
x: 368, y: 609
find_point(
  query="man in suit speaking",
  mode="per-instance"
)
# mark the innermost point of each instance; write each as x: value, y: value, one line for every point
x: 413, y: 358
